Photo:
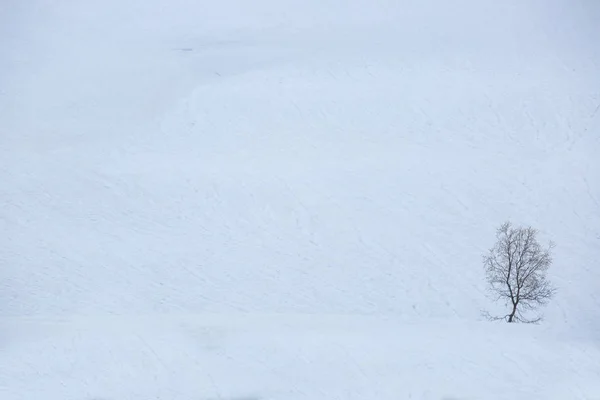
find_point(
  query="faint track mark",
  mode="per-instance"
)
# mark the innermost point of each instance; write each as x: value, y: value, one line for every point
x: 153, y: 352
x: 595, y: 111
x: 589, y: 192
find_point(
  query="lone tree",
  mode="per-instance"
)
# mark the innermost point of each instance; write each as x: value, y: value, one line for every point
x: 516, y: 271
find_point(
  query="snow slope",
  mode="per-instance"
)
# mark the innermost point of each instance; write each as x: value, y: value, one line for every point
x: 275, y: 357
x: 291, y: 199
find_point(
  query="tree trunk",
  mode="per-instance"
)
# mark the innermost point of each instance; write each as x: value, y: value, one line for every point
x: 511, y: 316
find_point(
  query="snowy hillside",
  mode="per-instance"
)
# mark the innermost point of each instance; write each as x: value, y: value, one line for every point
x: 281, y: 200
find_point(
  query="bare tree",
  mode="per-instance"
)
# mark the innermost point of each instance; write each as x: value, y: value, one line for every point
x: 516, y: 271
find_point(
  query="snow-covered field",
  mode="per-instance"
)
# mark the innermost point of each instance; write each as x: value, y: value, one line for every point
x: 269, y: 200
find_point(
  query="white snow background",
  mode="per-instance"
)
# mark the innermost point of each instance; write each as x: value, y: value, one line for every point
x: 278, y: 200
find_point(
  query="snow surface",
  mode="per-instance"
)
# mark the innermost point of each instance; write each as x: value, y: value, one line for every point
x: 290, y: 199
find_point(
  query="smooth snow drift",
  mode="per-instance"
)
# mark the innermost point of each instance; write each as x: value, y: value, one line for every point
x: 278, y: 200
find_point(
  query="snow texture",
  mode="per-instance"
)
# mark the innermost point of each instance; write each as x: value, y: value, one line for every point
x: 269, y: 200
